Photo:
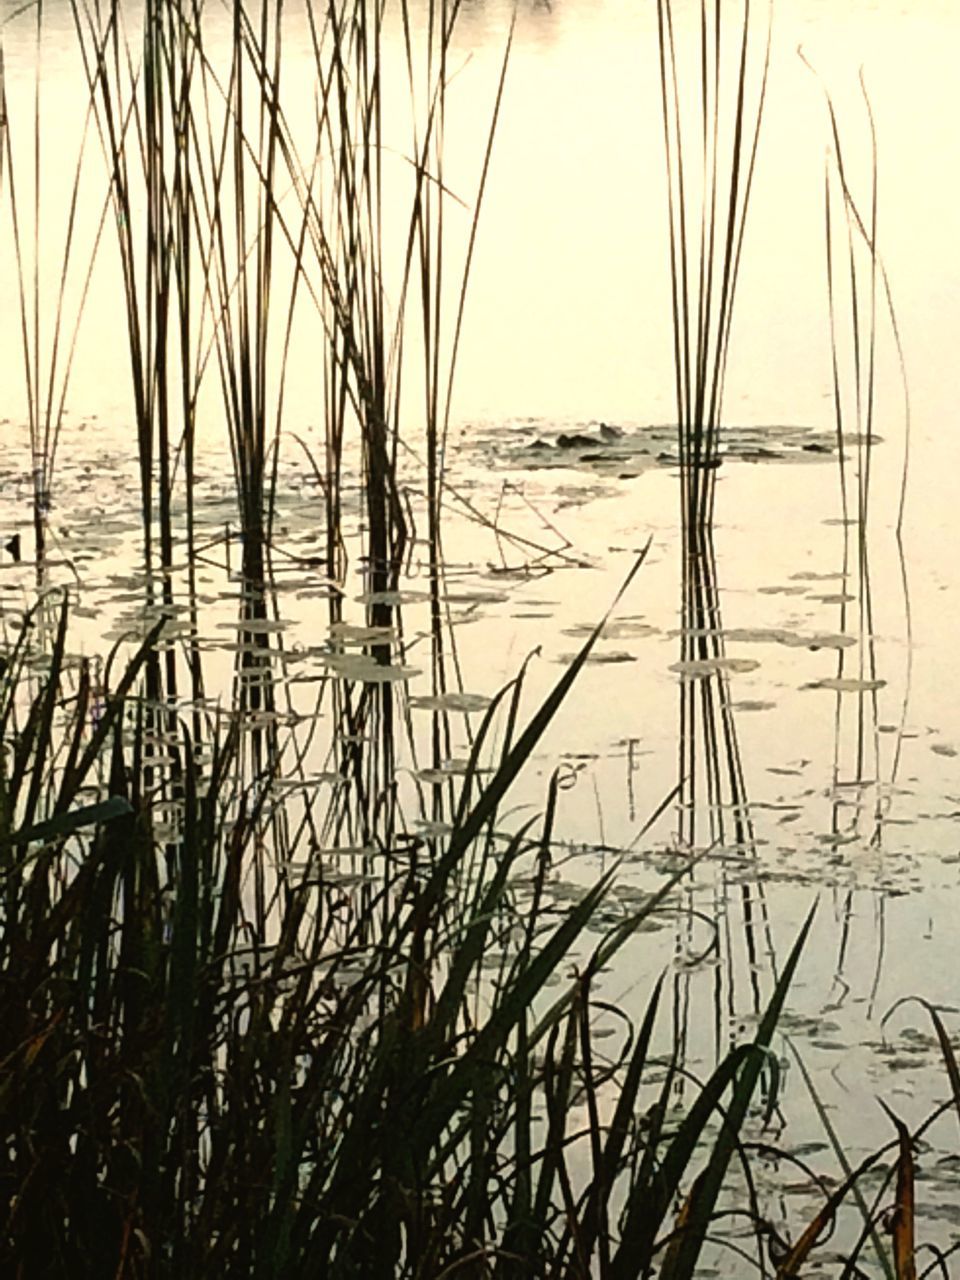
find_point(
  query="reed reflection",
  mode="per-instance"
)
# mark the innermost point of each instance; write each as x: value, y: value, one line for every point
x: 714, y: 815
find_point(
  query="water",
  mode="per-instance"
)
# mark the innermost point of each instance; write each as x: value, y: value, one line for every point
x: 850, y: 794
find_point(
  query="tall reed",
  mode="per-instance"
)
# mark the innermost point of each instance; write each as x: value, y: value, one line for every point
x: 713, y: 89
x: 48, y: 329
x: 859, y: 298
x: 374, y: 236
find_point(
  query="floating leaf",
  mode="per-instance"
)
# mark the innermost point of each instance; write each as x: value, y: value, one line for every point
x: 365, y: 670
x: 450, y: 702
x: 449, y: 769
x: 347, y: 633
x: 427, y: 827
x: 843, y: 684
x: 822, y: 640
x: 809, y: 576
x: 773, y: 635
x: 327, y: 777
x: 599, y: 658
x: 700, y: 668
x: 740, y: 635
x: 619, y: 629
x: 478, y: 596
x: 393, y: 597
x: 255, y: 626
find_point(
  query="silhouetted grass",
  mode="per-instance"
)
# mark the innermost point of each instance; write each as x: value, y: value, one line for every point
x: 335, y: 1085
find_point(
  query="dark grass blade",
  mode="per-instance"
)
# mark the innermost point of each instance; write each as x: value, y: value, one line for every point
x: 472, y: 942
x: 115, y: 701
x: 507, y: 1015
x: 650, y: 1199
x: 557, y: 1084
x: 66, y: 824
x: 611, y: 944
x: 608, y: 1162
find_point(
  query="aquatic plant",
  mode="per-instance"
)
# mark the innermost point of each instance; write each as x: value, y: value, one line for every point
x: 49, y: 318
x: 713, y: 88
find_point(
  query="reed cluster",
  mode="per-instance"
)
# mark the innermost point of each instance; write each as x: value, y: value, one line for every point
x: 713, y: 90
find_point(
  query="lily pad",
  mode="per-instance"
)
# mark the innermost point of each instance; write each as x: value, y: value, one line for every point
x: 844, y: 684
x: 365, y: 670
x: 450, y: 702
x: 700, y: 668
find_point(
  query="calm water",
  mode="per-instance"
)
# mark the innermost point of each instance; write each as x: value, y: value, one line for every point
x: 852, y: 795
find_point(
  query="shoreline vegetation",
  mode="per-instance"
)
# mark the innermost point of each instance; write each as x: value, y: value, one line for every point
x: 268, y: 1017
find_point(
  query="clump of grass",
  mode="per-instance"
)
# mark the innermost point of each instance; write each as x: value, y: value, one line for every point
x: 338, y: 1082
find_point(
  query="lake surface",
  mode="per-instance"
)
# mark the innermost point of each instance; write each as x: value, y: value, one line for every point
x: 833, y: 774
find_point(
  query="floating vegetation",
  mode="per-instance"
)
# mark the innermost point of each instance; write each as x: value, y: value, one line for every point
x: 393, y: 599
x: 602, y: 658
x: 628, y: 451
x: 324, y: 778
x: 365, y: 669
x: 452, y: 701
x: 772, y: 635
x: 347, y: 633
x: 703, y: 668
x: 477, y: 596
x: 846, y: 684
x: 256, y: 626
x: 618, y: 629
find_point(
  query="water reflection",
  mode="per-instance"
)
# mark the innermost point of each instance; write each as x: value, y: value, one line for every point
x: 714, y: 815
x: 861, y: 312
x: 331, y: 769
